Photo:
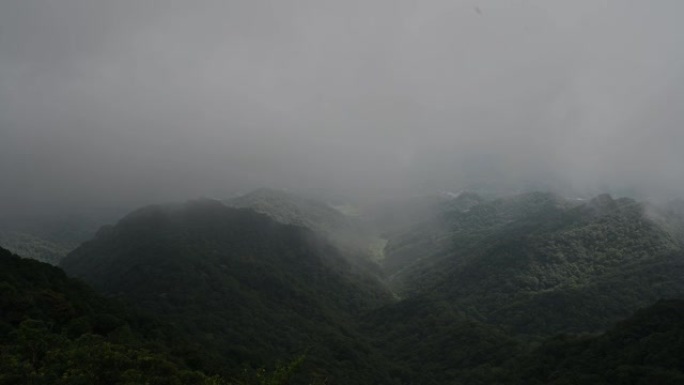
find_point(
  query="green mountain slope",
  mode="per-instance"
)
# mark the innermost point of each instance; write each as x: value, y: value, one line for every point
x: 497, y: 280
x: 33, y: 247
x: 431, y: 343
x: 237, y: 281
x: 55, y: 330
x: 352, y: 237
x: 647, y: 348
x: 296, y: 210
x: 420, y: 233
x: 50, y: 237
x: 540, y: 264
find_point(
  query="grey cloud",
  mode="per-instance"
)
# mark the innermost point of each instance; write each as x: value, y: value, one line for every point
x: 139, y: 101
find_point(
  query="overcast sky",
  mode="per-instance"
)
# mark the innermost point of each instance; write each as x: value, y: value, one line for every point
x: 133, y: 101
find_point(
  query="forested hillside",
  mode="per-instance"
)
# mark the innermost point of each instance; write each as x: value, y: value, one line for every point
x: 486, y: 286
x: 540, y: 264
x: 56, y: 330
x: 647, y: 348
x: 432, y: 343
x: 392, y: 192
x: 293, y: 209
x: 49, y: 238
x: 33, y: 247
x: 355, y: 240
x: 238, y: 282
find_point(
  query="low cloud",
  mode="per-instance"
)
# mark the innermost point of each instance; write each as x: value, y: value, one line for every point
x: 130, y: 102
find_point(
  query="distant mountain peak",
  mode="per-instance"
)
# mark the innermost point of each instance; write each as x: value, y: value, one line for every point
x: 293, y: 209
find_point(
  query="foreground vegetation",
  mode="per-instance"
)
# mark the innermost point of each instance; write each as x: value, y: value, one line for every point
x: 58, y: 331
x: 513, y: 291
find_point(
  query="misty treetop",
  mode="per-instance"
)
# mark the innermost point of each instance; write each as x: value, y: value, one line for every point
x: 484, y: 285
x: 375, y: 192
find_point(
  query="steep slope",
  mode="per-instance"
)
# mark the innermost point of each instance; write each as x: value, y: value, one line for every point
x: 419, y: 233
x: 293, y: 209
x: 647, y: 348
x: 431, y: 343
x: 56, y: 330
x: 540, y: 264
x: 258, y: 291
x: 356, y: 242
x: 33, y: 247
x: 454, y: 231
x: 236, y: 280
x: 50, y: 237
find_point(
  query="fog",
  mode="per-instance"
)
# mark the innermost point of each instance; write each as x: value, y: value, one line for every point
x: 110, y: 103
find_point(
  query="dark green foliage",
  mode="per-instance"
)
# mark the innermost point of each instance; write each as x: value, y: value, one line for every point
x: 55, y: 330
x: 295, y: 210
x: 432, y: 344
x: 485, y: 286
x: 419, y: 233
x: 347, y: 233
x: 648, y: 348
x: 539, y: 264
x: 35, y: 355
x: 240, y: 284
x: 49, y: 237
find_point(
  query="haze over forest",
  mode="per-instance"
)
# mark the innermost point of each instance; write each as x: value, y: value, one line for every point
x: 108, y: 104
x: 315, y: 192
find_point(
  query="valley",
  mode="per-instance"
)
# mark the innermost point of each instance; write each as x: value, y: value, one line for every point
x: 387, y: 192
x: 442, y: 290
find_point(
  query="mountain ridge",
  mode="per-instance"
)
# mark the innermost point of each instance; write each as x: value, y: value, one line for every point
x: 539, y: 249
x: 238, y: 281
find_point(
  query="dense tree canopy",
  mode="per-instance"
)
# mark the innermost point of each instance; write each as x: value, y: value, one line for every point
x: 215, y: 294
